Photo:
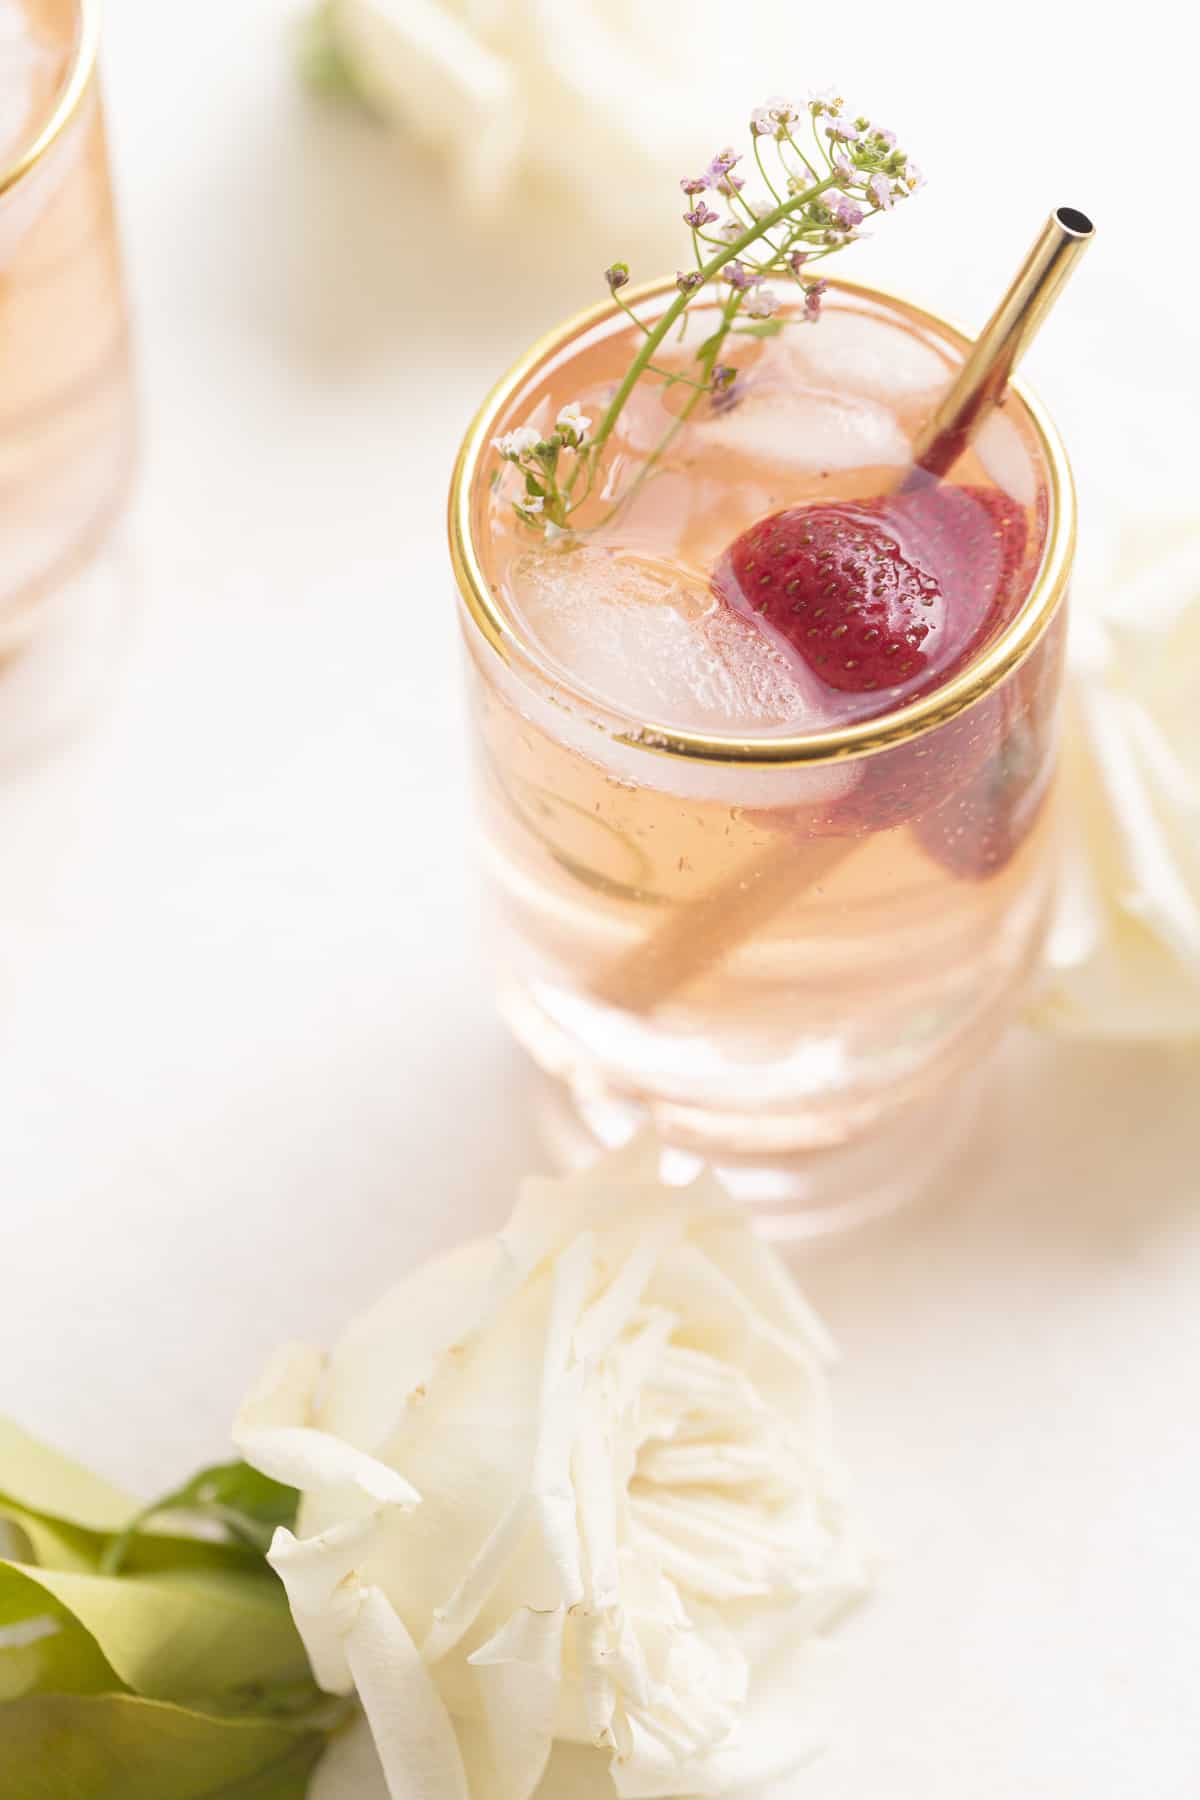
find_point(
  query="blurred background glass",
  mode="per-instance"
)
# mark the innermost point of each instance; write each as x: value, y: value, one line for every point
x: 66, y: 404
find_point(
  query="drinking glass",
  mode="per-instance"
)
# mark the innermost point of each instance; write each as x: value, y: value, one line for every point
x: 789, y: 952
x: 66, y: 392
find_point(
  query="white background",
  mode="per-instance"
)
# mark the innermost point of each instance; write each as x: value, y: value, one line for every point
x: 248, y: 1065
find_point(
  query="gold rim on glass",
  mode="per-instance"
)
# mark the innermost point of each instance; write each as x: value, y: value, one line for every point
x: 1000, y: 658
x: 83, y: 63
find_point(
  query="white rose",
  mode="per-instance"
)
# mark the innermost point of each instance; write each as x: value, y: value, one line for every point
x: 1124, y: 954
x: 574, y: 1484
x: 587, y: 97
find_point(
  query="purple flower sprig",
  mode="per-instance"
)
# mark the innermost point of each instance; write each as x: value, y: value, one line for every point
x: 826, y: 174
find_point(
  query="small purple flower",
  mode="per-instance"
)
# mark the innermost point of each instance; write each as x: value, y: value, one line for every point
x: 721, y: 164
x: 841, y: 130
x: 797, y: 260
x: 740, y: 278
x: 844, y: 167
x: 762, y: 122
x: 617, y: 276
x: 693, y: 184
x: 700, y: 216
x: 880, y: 190
x: 726, y: 389
x: 913, y: 177
x: 729, y: 185
x: 688, y: 280
x: 782, y: 110
x: 846, y: 211
x: 814, y: 293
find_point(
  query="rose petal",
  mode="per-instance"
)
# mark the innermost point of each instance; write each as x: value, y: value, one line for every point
x: 413, y: 1732
x: 273, y: 1432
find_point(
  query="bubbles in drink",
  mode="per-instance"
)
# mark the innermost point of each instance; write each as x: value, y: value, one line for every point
x: 652, y: 640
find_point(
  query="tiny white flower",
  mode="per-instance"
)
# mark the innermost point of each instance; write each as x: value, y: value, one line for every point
x: 761, y: 303
x: 731, y: 231
x: 574, y: 422
x: 518, y: 443
x: 532, y: 503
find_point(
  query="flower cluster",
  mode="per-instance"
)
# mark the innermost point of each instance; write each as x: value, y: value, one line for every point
x: 825, y: 173
x: 541, y: 500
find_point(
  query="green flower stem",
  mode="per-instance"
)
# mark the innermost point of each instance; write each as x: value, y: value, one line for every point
x: 730, y: 253
x: 707, y: 359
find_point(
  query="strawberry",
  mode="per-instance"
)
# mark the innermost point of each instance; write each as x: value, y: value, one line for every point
x: 888, y: 598
x: 884, y: 597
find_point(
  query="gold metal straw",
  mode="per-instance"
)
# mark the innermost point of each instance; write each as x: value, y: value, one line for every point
x: 1004, y: 340
x: 700, y: 935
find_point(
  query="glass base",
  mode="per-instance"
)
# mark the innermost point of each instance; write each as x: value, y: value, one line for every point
x: 794, y: 1197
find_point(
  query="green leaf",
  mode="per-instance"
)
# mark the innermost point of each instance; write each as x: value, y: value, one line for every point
x: 39, y: 1480
x: 53, y: 1544
x: 324, y: 65
x: 118, y: 1747
x: 768, y: 328
x: 207, y: 1637
x: 43, y: 1648
x: 249, y: 1506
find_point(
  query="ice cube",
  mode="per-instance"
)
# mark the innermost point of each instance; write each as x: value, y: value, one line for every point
x: 780, y: 424
x: 860, y: 353
x: 1003, y: 453
x: 652, y: 641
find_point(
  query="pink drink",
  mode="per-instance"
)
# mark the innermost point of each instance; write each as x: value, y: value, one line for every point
x: 780, y: 919
x: 66, y: 409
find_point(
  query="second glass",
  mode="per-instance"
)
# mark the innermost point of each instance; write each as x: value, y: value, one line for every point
x: 66, y: 392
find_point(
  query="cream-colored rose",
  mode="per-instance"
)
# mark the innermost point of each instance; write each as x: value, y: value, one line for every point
x: 1124, y: 955
x: 573, y: 1484
x: 586, y: 99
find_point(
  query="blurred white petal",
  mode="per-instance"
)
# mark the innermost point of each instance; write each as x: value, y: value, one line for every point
x: 1124, y: 952
x: 586, y: 99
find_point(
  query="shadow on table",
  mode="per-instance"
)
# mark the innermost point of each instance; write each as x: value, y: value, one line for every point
x: 1083, y: 1154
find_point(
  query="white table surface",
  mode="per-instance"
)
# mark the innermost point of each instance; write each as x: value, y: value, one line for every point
x: 248, y: 1063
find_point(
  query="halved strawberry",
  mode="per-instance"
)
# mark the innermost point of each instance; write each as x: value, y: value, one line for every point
x: 881, y: 597
x: 884, y: 600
